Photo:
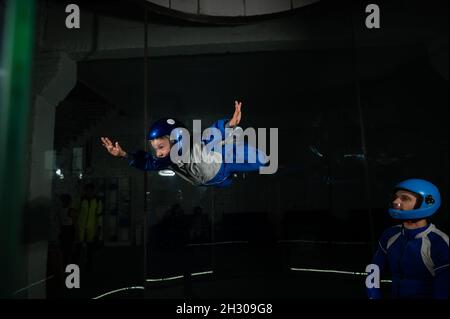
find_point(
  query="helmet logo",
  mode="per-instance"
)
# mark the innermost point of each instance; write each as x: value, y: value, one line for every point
x: 171, y: 121
x: 429, y: 200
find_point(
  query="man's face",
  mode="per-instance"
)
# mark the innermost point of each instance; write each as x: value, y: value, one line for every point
x: 161, y: 146
x: 404, y: 200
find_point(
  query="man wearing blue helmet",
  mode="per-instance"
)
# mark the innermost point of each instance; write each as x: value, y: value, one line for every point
x: 415, y: 251
x: 203, y: 168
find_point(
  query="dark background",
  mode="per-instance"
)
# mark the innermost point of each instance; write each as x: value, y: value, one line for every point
x: 357, y: 111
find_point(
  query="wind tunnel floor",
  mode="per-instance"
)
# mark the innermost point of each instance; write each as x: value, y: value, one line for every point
x: 115, y: 268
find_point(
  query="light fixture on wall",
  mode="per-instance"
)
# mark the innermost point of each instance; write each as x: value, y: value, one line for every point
x: 59, y: 173
x: 166, y: 172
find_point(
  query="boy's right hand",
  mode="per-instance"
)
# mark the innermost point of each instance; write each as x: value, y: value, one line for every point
x: 237, y: 114
x: 113, y: 149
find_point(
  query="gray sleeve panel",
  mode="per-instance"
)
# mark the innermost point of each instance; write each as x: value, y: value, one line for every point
x: 392, y: 240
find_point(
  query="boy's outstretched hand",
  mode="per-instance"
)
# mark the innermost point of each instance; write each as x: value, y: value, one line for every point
x: 113, y: 149
x: 237, y: 114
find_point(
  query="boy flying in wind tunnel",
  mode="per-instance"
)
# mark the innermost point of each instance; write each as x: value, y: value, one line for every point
x: 207, y: 163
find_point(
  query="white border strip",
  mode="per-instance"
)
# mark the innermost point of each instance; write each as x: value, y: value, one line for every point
x: 330, y: 271
x: 324, y: 242
x: 34, y: 284
x: 163, y: 279
x: 355, y: 273
x: 178, y: 277
x: 202, y: 273
x: 118, y: 290
x: 219, y: 243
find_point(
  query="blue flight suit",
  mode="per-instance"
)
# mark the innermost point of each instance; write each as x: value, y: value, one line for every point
x: 418, y: 262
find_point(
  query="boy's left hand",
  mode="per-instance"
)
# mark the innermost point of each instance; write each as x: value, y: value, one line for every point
x: 237, y: 114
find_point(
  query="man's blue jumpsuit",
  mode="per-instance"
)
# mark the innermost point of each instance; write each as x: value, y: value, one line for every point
x: 418, y: 261
x: 223, y: 171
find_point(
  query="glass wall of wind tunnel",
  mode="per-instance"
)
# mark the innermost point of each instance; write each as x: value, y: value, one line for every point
x: 252, y: 237
x: 85, y: 205
x: 404, y: 94
x: 402, y: 71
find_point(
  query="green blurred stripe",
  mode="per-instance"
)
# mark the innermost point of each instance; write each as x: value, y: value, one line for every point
x: 14, y: 113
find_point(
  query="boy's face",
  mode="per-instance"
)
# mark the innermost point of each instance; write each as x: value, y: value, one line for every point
x: 404, y: 200
x: 161, y: 146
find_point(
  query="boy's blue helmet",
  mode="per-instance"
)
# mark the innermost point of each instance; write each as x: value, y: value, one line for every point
x: 428, y: 203
x: 163, y: 127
